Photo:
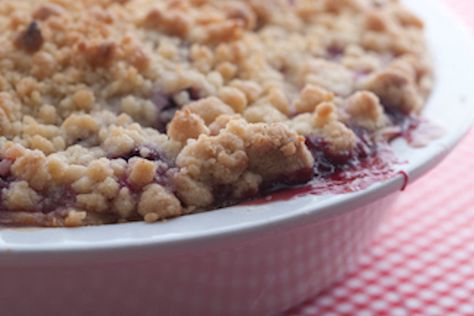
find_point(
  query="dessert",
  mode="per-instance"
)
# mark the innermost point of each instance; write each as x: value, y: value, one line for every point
x: 125, y: 110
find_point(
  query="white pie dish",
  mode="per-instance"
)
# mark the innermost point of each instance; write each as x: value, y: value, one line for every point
x: 246, y: 260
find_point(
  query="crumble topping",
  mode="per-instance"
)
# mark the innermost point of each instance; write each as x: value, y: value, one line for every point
x: 114, y: 111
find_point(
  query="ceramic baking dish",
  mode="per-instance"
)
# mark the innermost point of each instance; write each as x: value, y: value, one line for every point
x: 243, y: 260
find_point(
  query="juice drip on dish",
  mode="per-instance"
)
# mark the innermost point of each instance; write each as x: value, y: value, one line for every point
x: 371, y: 162
x: 357, y: 173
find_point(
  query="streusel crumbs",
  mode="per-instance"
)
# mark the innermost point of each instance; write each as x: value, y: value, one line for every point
x: 114, y: 111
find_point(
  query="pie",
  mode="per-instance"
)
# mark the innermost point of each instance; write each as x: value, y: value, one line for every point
x: 126, y: 110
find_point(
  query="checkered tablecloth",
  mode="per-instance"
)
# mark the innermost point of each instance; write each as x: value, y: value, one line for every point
x: 423, y: 261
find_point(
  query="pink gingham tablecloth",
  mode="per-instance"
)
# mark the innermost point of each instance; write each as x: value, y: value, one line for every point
x: 423, y: 261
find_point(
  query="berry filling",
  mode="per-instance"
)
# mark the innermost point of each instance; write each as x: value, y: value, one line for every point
x: 164, y: 171
x: 145, y: 152
x: 5, y: 165
x: 167, y: 106
x: 334, y: 52
x: 5, y: 180
x: 57, y: 200
x: 405, y: 123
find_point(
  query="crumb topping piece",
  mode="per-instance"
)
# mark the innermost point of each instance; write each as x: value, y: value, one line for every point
x: 31, y: 39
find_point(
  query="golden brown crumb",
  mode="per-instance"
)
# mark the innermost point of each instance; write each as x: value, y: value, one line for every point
x: 209, y: 109
x: 186, y: 125
x: 365, y: 109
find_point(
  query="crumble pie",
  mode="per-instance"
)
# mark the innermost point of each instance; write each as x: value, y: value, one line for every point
x: 124, y: 110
